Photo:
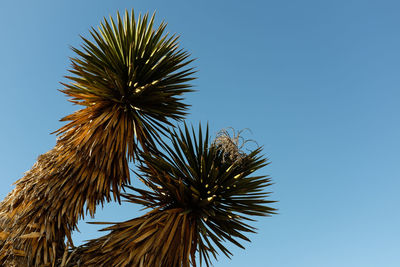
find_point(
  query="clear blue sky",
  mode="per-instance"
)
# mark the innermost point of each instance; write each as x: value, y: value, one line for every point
x: 317, y: 82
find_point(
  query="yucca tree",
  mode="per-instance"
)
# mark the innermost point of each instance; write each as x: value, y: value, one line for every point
x: 129, y: 78
x: 201, y: 194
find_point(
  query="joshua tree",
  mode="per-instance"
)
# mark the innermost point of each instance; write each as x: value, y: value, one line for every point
x: 129, y: 80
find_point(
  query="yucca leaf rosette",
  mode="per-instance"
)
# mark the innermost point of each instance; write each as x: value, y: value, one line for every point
x: 135, y: 74
x: 202, y: 194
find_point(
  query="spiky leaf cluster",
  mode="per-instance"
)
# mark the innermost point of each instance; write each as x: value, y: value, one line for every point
x: 137, y: 68
x: 216, y: 196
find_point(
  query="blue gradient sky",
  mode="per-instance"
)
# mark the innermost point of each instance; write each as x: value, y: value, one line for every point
x: 317, y: 82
